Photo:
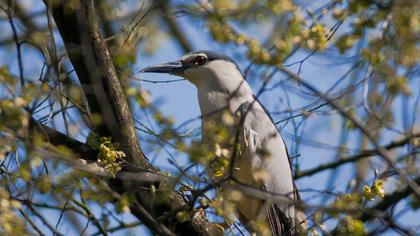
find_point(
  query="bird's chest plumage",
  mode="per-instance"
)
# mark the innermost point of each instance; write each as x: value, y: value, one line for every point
x: 212, y: 101
x: 262, y: 158
x: 215, y: 106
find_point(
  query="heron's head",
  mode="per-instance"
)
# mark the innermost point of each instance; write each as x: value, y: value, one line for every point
x: 203, y: 68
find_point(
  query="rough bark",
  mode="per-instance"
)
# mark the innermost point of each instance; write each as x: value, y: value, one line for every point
x: 105, y: 96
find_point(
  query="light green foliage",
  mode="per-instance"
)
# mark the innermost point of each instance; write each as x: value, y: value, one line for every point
x: 123, y: 204
x: 44, y: 183
x: 346, y: 208
x: 345, y: 42
x: 347, y: 201
x: 415, y: 202
x: 7, y: 80
x: 214, y: 155
x: 393, y: 28
x: 93, y: 140
x: 377, y: 189
x: 12, y: 116
x: 315, y: 38
x: 11, y: 111
x: 10, y: 222
x: 13, y: 101
x: 349, y: 224
x: 352, y: 227
x: 261, y: 227
x: 109, y: 156
x: 223, y: 31
x: 142, y: 97
x: 183, y: 216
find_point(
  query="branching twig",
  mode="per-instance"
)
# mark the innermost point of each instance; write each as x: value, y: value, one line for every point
x: 359, y: 124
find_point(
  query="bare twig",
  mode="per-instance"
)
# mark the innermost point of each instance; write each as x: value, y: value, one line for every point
x: 351, y: 159
x: 359, y: 124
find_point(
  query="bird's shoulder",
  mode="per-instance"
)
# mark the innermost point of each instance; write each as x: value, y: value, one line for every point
x: 256, y: 117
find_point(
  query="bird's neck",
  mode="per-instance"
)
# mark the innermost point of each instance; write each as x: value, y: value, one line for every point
x: 215, y: 99
x: 220, y: 85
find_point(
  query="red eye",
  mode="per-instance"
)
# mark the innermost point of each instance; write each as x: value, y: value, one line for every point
x: 200, y: 60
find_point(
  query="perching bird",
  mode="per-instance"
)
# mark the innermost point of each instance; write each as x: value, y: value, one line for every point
x: 263, y: 162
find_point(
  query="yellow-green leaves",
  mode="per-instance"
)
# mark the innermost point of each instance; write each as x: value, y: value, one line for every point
x: 199, y: 153
x: 12, y: 116
x: 7, y: 80
x: 347, y: 201
x: 375, y: 58
x: 10, y: 223
x: 257, y: 53
x: 315, y: 38
x: 224, y: 6
x: 222, y: 30
x: 44, y: 183
x: 351, y: 227
x: 398, y: 84
x: 279, y: 6
x: 414, y: 202
x: 215, y: 160
x: 217, y: 204
x: 123, y: 205
x: 140, y: 95
x: 377, y: 189
x: 345, y: 42
x: 93, y: 140
x: 349, y: 204
x: 221, y: 162
x: 368, y: 193
x: 261, y: 227
x: 183, y: 216
x: 109, y: 156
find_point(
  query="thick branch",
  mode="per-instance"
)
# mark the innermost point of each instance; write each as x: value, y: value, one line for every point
x: 96, y: 72
x: 173, y: 25
x: 56, y: 138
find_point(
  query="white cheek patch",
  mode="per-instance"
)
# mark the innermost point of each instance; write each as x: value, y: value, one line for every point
x: 196, y: 75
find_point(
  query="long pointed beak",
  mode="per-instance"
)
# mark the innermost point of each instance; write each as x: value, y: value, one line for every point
x: 175, y: 67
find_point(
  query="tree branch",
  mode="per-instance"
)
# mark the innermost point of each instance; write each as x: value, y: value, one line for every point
x: 173, y: 25
x: 359, y: 124
x: 389, y: 200
x: 361, y: 155
x: 105, y: 96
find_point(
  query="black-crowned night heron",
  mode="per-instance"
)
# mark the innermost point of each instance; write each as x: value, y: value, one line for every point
x: 264, y: 162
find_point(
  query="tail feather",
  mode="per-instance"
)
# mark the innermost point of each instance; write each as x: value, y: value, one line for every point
x: 283, y: 224
x: 300, y: 217
x: 280, y: 224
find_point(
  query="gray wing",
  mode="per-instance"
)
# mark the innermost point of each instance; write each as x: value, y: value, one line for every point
x: 269, y: 153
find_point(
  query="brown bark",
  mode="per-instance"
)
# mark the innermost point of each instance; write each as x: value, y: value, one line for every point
x: 105, y: 96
